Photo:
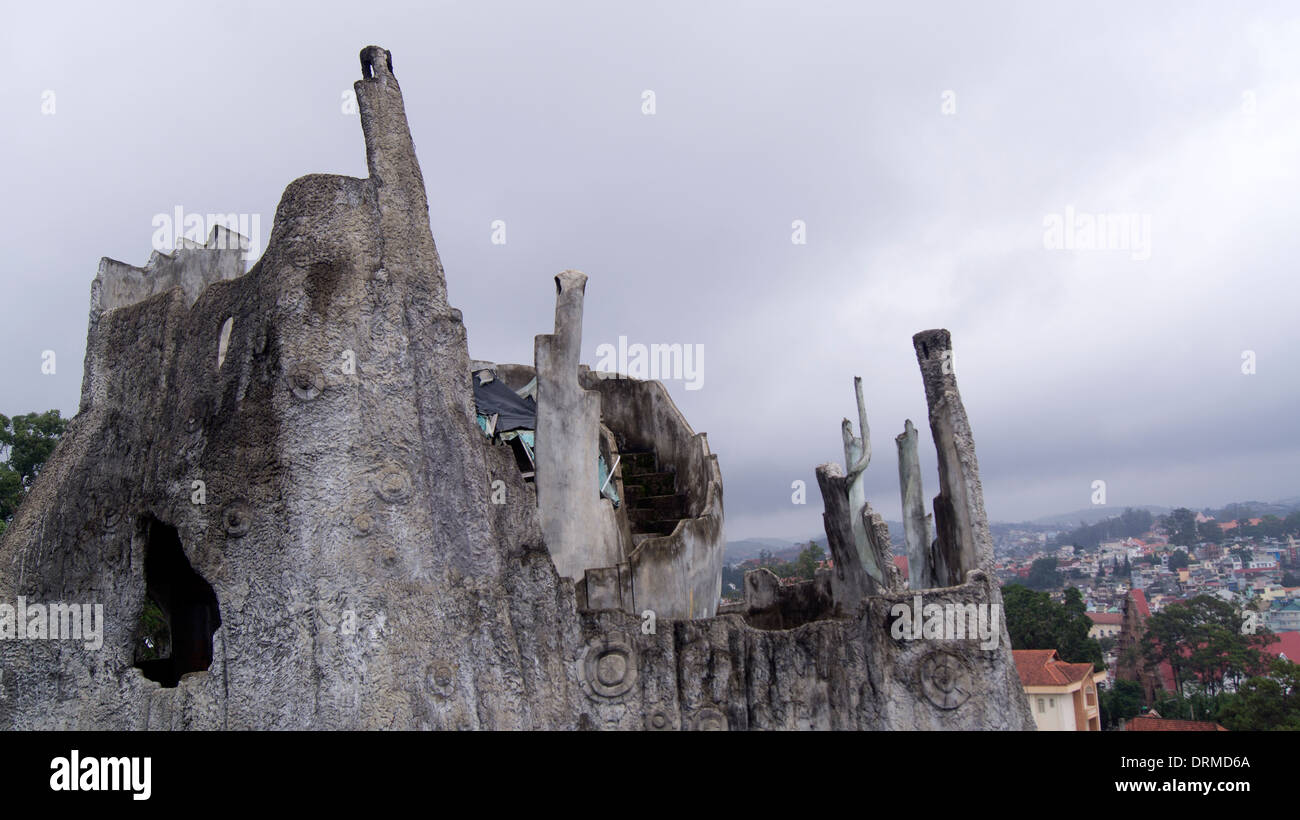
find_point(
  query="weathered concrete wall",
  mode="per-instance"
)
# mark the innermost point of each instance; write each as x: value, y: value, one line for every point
x: 823, y: 674
x: 769, y: 604
x: 678, y: 575
x: 190, y: 267
x: 580, y: 527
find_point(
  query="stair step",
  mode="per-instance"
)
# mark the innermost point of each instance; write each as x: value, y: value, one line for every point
x: 663, y: 506
x: 650, y: 484
x: 638, y: 463
x: 656, y: 528
x: 640, y: 517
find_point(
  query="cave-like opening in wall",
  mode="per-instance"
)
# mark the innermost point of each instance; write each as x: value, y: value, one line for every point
x: 180, y: 611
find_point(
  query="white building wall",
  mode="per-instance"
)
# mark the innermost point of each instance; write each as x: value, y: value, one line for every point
x: 1057, y: 714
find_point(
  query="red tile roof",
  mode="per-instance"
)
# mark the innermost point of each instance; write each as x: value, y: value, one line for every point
x: 1287, y: 643
x: 1140, y: 600
x: 1107, y: 618
x: 900, y: 561
x: 1042, y: 667
x: 1232, y: 525
x: 1159, y: 724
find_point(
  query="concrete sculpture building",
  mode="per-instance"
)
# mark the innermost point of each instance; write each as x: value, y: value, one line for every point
x: 290, y: 464
x: 650, y: 537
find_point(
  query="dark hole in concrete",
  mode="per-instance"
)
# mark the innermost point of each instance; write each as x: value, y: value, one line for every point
x: 187, y: 603
x: 522, y: 461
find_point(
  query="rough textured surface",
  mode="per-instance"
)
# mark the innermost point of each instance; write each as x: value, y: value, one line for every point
x: 916, y: 523
x: 190, y: 267
x: 857, y: 457
x: 850, y: 581
x: 678, y: 575
x: 360, y: 575
x: 580, y: 527
x: 961, y: 525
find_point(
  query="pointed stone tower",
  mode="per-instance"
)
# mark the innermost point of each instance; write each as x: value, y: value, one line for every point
x: 286, y: 464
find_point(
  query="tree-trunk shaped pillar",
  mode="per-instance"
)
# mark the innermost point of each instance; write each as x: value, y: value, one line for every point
x: 963, y: 542
x: 916, y: 522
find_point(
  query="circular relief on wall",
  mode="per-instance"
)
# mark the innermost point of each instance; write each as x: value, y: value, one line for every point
x: 609, y: 666
x: 237, y: 518
x: 710, y: 719
x: 393, y: 483
x: 945, y: 679
x: 306, y: 380
x: 363, y: 524
x: 659, y: 721
x: 440, y: 677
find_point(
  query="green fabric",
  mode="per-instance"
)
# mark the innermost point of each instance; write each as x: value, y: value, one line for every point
x: 602, y: 472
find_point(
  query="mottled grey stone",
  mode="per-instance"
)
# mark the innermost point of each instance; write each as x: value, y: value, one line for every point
x: 916, y: 523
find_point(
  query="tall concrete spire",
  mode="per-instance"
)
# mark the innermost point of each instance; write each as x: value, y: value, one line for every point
x: 395, y: 173
x: 961, y: 524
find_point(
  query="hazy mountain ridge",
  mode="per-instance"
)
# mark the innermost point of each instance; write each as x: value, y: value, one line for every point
x: 788, y: 548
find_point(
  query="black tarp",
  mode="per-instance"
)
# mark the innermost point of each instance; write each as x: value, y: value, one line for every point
x: 495, y: 398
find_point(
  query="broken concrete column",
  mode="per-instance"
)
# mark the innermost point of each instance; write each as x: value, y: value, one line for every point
x: 963, y: 542
x: 878, y: 546
x: 916, y: 523
x: 851, y: 582
x: 857, y: 456
x: 579, y: 526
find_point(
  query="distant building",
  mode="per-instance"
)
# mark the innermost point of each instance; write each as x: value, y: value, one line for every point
x: 1132, y: 665
x: 1105, y: 624
x: 1232, y: 525
x: 1286, y: 619
x: 1062, y: 696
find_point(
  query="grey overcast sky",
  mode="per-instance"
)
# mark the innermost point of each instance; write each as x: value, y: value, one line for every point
x: 925, y: 146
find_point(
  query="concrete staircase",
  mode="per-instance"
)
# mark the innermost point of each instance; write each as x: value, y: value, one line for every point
x: 653, y: 504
